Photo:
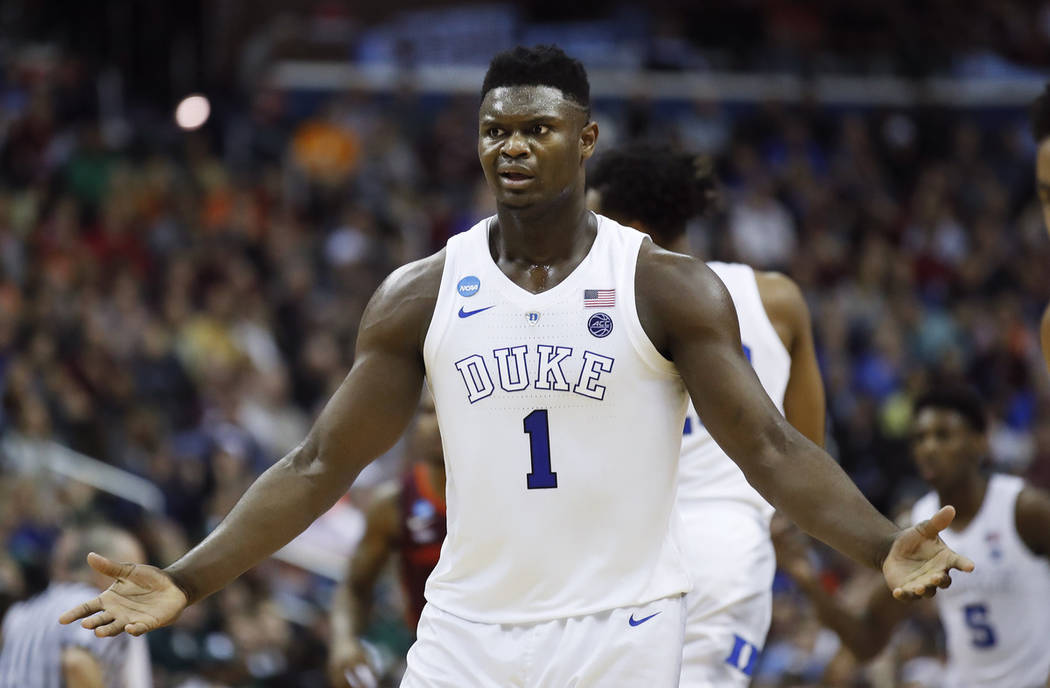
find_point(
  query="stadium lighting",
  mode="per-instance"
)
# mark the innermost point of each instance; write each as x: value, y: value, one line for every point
x: 192, y: 112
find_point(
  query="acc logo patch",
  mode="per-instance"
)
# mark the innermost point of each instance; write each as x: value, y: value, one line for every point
x: 600, y: 325
x: 468, y: 286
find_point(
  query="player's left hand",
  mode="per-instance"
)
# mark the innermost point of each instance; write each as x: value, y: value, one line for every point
x: 919, y: 562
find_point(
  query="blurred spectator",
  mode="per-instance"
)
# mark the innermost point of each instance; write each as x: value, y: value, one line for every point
x: 38, y: 651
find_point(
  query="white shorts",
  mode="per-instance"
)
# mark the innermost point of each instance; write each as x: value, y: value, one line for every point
x: 630, y: 646
x: 730, y: 556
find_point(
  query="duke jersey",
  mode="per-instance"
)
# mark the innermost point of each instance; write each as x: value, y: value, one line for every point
x: 422, y: 532
x: 706, y: 472
x: 997, y: 618
x: 561, y: 426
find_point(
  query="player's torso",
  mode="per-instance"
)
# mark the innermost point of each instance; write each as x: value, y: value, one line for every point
x: 706, y: 473
x: 422, y: 532
x: 997, y: 618
x: 560, y: 424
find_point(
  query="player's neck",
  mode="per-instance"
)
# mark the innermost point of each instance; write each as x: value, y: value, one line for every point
x: 967, y: 497
x: 554, y: 234
x: 679, y: 245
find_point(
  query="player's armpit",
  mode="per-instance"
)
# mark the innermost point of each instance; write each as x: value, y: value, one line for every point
x: 804, y: 399
x: 1032, y: 516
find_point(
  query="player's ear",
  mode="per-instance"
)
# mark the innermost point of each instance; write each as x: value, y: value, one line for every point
x: 588, y: 139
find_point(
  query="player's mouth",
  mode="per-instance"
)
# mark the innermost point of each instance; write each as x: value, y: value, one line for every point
x: 515, y: 179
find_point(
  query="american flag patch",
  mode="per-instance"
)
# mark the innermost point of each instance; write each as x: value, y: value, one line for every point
x: 599, y: 298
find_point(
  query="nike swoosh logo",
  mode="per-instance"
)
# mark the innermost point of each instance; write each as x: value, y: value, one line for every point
x: 467, y: 314
x: 639, y: 622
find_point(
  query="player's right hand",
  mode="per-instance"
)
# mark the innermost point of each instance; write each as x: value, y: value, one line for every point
x: 348, y: 666
x: 141, y: 599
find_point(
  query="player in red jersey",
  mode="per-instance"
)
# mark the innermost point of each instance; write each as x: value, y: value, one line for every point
x: 407, y: 517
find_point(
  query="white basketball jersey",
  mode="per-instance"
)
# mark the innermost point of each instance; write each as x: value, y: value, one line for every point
x: 561, y: 426
x: 706, y: 472
x: 997, y: 618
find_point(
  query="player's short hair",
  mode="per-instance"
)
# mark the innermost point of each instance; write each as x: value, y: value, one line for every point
x: 541, y: 65
x: 654, y: 184
x: 1039, y: 114
x: 961, y: 399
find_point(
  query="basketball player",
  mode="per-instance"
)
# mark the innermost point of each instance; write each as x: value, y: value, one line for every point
x: 657, y: 190
x: 559, y: 352
x: 996, y: 620
x: 1041, y: 132
x: 408, y: 518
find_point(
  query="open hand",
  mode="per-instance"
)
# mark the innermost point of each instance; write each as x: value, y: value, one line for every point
x: 919, y: 562
x: 141, y: 599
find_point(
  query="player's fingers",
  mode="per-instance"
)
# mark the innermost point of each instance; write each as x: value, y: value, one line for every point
x: 936, y: 523
x: 962, y: 563
x: 79, y: 612
x: 946, y: 582
x: 136, y: 629
x: 351, y: 679
x: 108, y: 567
x: 111, y: 629
x: 97, y: 620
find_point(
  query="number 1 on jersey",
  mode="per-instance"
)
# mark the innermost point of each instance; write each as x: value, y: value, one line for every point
x: 538, y: 431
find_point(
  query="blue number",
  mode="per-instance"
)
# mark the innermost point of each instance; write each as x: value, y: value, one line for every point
x: 981, y: 633
x: 536, y: 428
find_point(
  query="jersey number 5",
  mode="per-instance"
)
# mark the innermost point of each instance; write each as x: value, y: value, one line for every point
x: 981, y: 633
x: 536, y: 428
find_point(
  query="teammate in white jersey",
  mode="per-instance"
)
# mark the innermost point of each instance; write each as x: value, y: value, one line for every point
x: 726, y: 542
x: 559, y: 351
x: 997, y: 620
x: 1041, y: 133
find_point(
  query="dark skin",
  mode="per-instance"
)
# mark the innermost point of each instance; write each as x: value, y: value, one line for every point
x: 804, y: 401
x: 533, y: 143
x: 947, y: 452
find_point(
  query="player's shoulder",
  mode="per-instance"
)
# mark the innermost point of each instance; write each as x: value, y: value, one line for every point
x: 402, y: 306
x: 659, y: 269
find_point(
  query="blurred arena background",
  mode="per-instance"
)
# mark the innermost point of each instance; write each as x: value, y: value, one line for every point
x: 177, y: 298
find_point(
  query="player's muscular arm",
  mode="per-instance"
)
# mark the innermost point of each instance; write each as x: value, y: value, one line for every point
x: 1032, y: 516
x: 702, y: 337
x: 362, y: 420
x: 804, y: 403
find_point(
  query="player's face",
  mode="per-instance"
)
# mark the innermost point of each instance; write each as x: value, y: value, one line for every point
x: 426, y: 438
x: 945, y: 448
x: 532, y: 143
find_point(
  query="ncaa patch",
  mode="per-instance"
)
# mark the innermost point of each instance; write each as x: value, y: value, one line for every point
x: 600, y: 325
x: 468, y: 286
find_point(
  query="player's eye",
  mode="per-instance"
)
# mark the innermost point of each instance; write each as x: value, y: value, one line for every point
x: 540, y: 129
x: 494, y: 132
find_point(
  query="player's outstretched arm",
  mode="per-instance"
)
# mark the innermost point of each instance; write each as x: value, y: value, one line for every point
x: 702, y: 336
x: 864, y: 633
x: 352, y: 602
x: 363, y: 419
x: 804, y: 401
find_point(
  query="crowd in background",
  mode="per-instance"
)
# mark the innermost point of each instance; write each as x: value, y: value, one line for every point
x: 180, y: 305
